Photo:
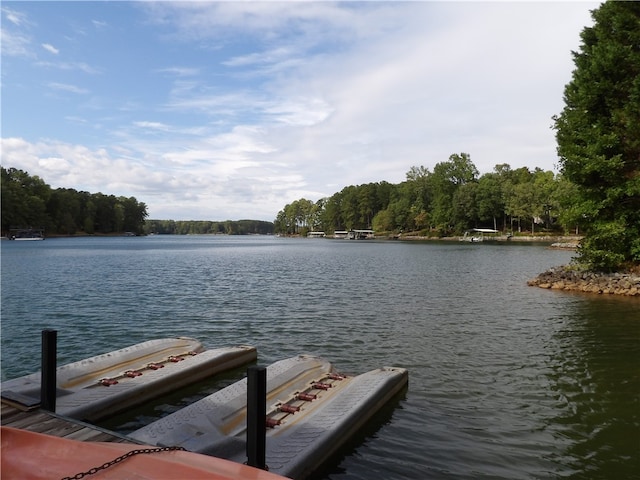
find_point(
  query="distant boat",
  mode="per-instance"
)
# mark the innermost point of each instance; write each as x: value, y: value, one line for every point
x: 477, y: 235
x: 360, y: 234
x: 26, y: 234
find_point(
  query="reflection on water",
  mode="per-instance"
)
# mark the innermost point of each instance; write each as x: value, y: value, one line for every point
x: 505, y: 381
x: 596, y: 381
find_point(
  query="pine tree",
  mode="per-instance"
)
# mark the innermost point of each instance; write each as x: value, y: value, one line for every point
x: 598, y: 135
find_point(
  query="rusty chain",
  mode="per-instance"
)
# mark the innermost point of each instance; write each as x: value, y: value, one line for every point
x: 121, y: 458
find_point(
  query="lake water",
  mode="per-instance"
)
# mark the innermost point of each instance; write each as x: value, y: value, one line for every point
x: 506, y: 381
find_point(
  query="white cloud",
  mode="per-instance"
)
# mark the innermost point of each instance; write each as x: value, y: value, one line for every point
x: 99, y: 24
x: 79, y: 66
x: 50, y: 48
x: 67, y: 88
x: 15, y: 41
x: 180, y: 71
x: 14, y: 44
x: 279, y: 55
x: 15, y: 17
x: 152, y: 126
x: 416, y: 96
x: 300, y: 112
x: 294, y: 100
x: 198, y: 180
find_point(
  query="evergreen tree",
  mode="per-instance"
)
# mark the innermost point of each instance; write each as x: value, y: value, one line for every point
x: 598, y: 135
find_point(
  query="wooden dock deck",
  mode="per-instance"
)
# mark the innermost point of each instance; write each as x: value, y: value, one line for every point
x: 42, y: 421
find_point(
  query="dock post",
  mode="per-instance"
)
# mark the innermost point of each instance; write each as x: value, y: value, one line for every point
x: 48, y: 370
x: 256, y: 416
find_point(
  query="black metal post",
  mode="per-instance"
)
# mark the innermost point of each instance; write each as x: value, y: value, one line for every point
x: 48, y: 370
x: 256, y: 416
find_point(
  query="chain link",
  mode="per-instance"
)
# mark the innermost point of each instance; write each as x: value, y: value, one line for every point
x: 121, y: 458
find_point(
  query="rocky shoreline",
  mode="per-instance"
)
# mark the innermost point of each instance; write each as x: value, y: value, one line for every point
x: 555, y: 241
x: 571, y: 279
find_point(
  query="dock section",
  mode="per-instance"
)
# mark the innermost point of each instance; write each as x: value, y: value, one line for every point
x: 42, y: 421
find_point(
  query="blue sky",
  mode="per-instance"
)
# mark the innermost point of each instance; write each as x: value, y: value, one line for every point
x: 231, y: 110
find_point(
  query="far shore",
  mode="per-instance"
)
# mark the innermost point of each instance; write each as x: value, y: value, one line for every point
x: 558, y: 241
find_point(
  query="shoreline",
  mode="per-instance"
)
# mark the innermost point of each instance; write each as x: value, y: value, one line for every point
x: 570, y: 279
x: 556, y: 241
x: 566, y: 278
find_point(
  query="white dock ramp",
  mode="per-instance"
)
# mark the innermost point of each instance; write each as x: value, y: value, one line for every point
x: 100, y: 386
x: 311, y: 412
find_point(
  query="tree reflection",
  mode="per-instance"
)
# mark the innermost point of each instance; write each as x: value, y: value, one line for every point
x: 596, y: 381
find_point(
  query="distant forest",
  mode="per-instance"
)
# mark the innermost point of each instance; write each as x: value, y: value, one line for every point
x: 28, y: 202
x: 199, y: 227
x: 446, y: 201
x: 452, y: 198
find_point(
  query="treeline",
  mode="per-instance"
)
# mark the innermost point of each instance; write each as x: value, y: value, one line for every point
x: 195, y: 227
x: 446, y: 201
x: 28, y: 202
x: 597, y: 194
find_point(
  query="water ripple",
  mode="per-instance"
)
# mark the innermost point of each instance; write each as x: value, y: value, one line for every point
x: 506, y: 381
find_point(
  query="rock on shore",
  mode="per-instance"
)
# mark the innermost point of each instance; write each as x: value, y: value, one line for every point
x: 570, y: 279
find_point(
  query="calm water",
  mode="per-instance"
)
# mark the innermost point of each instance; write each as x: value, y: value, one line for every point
x: 506, y: 381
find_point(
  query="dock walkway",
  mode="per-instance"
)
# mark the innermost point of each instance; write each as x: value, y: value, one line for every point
x: 42, y: 421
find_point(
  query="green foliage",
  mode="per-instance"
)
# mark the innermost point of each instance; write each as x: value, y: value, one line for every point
x: 446, y: 201
x: 300, y: 215
x: 598, y: 135
x: 563, y: 201
x: 27, y: 201
x: 200, y: 227
x: 447, y: 178
x: 489, y: 198
x: 383, y: 221
x: 465, y: 205
x: 24, y: 200
x: 605, y: 248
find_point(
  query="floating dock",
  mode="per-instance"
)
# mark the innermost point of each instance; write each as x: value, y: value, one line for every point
x: 42, y: 421
x: 98, y: 387
x: 311, y: 410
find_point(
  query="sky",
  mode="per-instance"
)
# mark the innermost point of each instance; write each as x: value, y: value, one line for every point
x: 232, y: 110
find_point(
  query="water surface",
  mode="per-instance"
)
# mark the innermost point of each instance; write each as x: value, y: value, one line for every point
x: 505, y: 381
